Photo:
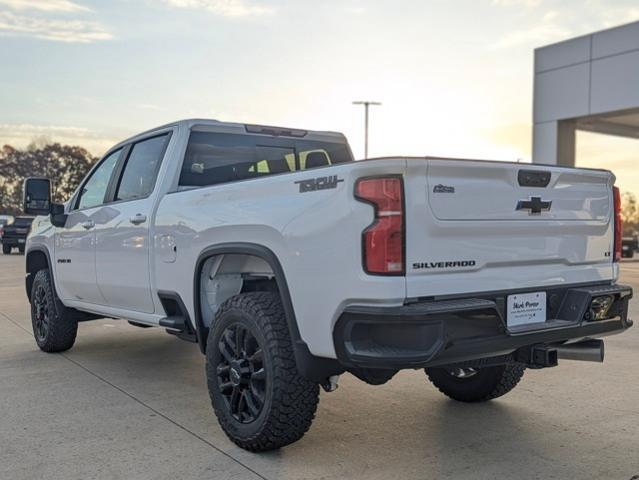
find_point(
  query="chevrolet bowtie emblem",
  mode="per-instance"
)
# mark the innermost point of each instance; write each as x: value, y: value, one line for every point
x: 536, y: 205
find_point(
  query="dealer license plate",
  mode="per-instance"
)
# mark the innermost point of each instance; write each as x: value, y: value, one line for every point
x: 526, y: 308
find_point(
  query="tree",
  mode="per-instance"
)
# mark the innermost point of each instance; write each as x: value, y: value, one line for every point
x: 629, y: 214
x: 64, y: 165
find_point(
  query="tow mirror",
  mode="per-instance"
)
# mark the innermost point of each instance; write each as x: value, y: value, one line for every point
x: 37, y: 196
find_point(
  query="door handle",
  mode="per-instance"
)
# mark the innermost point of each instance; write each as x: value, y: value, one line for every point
x: 137, y: 219
x: 88, y: 224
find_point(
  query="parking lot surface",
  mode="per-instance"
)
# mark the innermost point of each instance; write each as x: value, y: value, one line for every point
x: 132, y: 403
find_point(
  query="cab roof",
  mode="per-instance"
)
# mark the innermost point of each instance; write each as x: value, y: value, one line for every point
x: 204, y: 124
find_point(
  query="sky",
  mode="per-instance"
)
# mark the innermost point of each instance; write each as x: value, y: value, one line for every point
x: 454, y: 76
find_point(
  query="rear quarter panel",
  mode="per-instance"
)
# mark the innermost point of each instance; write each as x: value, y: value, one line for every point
x: 315, y: 235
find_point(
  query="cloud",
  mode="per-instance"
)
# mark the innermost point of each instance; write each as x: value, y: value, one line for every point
x: 355, y: 10
x: 517, y: 3
x: 72, y: 31
x: 21, y: 135
x: 545, y: 32
x: 226, y: 8
x: 150, y: 106
x: 614, y: 17
x: 45, y: 5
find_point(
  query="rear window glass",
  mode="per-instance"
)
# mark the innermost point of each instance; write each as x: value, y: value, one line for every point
x: 22, y: 222
x: 213, y: 158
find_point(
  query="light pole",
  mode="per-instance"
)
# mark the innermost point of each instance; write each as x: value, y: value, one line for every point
x: 366, y: 105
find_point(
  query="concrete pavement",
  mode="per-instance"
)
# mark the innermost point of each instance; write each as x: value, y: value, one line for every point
x: 130, y: 403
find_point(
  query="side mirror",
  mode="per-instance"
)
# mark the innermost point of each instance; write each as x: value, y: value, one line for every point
x: 37, y: 196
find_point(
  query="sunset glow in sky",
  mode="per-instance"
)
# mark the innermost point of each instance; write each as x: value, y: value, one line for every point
x: 454, y: 76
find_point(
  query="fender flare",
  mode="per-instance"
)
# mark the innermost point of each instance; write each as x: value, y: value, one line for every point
x: 28, y: 278
x: 312, y: 367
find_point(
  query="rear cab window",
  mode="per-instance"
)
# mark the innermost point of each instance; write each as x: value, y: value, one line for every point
x: 212, y: 158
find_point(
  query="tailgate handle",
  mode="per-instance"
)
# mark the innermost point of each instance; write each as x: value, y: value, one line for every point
x: 533, y: 178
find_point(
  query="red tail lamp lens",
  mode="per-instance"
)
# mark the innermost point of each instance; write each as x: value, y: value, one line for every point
x: 383, y: 240
x: 618, y: 223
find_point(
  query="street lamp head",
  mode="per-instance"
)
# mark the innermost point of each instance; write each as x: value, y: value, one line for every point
x: 366, y: 102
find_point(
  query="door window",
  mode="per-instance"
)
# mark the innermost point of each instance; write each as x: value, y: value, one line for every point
x: 95, y: 188
x: 141, y: 168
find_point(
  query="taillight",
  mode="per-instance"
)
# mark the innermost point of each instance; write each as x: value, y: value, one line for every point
x: 383, y: 240
x: 618, y: 223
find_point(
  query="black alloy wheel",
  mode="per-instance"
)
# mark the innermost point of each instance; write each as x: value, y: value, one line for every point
x: 241, y: 375
x: 259, y: 397
x: 42, y: 313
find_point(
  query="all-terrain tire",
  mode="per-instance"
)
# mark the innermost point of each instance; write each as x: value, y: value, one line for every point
x: 288, y: 400
x: 485, y: 384
x: 55, y: 326
x: 6, y: 249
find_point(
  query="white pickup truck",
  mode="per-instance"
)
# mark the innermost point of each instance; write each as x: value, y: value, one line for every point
x: 289, y: 264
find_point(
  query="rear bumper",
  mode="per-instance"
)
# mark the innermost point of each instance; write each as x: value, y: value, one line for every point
x: 444, y: 332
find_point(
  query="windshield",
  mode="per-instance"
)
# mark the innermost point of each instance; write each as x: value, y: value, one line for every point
x: 23, y: 221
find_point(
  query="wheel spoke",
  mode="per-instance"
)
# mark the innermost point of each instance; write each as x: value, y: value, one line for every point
x: 240, y: 335
x: 259, y: 375
x: 235, y: 400
x: 462, y: 373
x: 225, y: 387
x: 253, y: 407
x: 258, y: 395
x: 229, y: 338
x: 222, y: 369
x: 241, y: 404
x: 257, y: 356
x: 225, y: 351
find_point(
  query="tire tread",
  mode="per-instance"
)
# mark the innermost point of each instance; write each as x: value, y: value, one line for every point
x: 502, y: 380
x: 294, y: 398
x: 63, y: 326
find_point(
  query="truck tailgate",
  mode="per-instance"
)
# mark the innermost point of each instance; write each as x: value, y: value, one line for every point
x: 476, y: 226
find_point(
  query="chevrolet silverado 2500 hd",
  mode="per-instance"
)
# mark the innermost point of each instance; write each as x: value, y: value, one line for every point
x: 289, y: 263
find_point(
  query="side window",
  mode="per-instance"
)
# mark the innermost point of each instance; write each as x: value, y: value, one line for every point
x: 95, y: 188
x: 141, y: 168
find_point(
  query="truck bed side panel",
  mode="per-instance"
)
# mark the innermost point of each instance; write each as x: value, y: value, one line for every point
x: 316, y: 236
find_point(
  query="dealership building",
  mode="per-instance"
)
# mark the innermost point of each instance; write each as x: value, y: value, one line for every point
x: 589, y: 83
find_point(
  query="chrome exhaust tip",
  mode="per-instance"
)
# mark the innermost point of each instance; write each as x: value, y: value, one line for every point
x: 586, y: 351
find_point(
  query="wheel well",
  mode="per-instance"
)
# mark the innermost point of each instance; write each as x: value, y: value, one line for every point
x: 225, y: 275
x: 36, y: 260
x: 252, y: 267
